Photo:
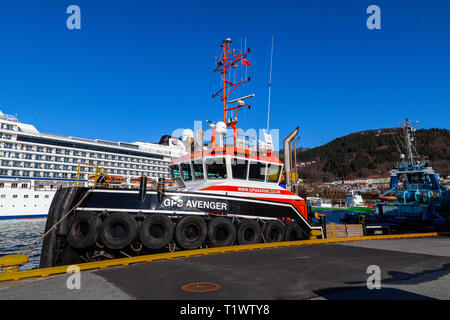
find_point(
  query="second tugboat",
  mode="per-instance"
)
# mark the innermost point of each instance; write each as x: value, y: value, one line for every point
x: 225, y: 195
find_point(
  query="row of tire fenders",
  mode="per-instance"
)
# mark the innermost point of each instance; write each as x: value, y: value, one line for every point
x: 119, y: 230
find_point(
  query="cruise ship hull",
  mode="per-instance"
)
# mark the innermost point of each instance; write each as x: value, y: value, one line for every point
x: 24, y: 203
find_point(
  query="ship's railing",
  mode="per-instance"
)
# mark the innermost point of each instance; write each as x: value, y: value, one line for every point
x: 99, y: 171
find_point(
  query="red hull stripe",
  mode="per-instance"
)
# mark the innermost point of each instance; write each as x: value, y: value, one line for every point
x: 300, y: 205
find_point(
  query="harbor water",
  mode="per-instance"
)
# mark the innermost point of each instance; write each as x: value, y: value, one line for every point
x: 16, y: 235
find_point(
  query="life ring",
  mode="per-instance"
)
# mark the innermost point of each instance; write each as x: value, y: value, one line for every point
x: 156, y: 231
x: 84, y: 230
x: 190, y: 232
x: 292, y: 232
x: 248, y: 232
x: 386, y: 198
x: 221, y: 232
x: 273, y: 231
x: 118, y: 230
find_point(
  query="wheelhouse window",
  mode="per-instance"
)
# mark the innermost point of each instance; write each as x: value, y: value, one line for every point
x: 186, y: 171
x: 197, y: 165
x: 175, y: 170
x: 216, y: 168
x: 257, y: 171
x: 239, y: 168
x: 273, y: 172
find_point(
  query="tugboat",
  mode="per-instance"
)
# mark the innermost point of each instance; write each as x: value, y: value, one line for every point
x: 415, y: 200
x: 225, y: 195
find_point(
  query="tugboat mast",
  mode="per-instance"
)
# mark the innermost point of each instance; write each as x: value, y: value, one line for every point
x: 407, y: 127
x: 230, y: 58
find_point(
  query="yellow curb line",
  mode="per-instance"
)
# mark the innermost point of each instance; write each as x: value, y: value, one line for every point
x: 45, y: 272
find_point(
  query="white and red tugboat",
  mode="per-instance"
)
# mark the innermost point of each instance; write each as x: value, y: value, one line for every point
x: 224, y: 195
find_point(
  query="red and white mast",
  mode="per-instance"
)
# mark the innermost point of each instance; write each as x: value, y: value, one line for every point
x: 230, y: 58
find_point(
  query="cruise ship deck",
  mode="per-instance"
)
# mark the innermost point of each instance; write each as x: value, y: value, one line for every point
x: 34, y: 164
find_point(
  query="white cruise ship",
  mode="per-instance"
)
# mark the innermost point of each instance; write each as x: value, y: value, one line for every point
x: 34, y: 164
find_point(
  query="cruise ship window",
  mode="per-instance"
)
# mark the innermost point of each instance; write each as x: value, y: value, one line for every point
x: 2, y: 184
x: 3, y: 196
x: 216, y: 168
x: 257, y: 171
x: 24, y: 185
x: 14, y: 195
x: 273, y: 172
x: 25, y: 196
x: 36, y: 196
x: 198, y: 169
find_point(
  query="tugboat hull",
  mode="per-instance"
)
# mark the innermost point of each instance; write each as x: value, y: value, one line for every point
x: 109, y: 205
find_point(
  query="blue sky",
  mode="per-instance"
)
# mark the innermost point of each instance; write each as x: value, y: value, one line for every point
x: 140, y: 69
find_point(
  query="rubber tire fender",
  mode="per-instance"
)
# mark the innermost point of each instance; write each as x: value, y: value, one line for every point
x: 292, y: 232
x: 221, y: 224
x: 110, y: 237
x: 248, y: 228
x: 273, y: 231
x: 148, y: 238
x: 84, y: 230
x: 190, y: 232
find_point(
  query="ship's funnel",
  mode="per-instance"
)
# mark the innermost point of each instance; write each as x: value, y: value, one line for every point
x: 287, y: 158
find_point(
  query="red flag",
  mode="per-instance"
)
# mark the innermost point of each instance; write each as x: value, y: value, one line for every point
x: 245, y: 62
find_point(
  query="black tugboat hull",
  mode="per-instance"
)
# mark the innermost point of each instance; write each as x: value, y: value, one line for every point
x: 139, y: 205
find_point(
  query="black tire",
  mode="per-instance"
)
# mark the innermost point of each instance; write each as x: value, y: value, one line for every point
x: 118, y: 230
x: 273, y: 231
x: 221, y: 232
x: 292, y: 232
x: 248, y: 232
x: 190, y: 232
x: 156, y: 231
x: 84, y: 230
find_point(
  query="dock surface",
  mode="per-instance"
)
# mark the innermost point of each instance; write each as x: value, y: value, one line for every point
x: 410, y: 269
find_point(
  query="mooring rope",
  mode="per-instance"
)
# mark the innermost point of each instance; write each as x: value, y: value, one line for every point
x: 34, y: 244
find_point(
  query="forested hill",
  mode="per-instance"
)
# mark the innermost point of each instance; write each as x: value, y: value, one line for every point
x: 372, y: 154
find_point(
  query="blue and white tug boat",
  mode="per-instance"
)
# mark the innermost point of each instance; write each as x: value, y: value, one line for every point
x: 415, y: 199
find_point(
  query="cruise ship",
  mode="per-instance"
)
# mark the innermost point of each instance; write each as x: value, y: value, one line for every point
x: 34, y: 164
